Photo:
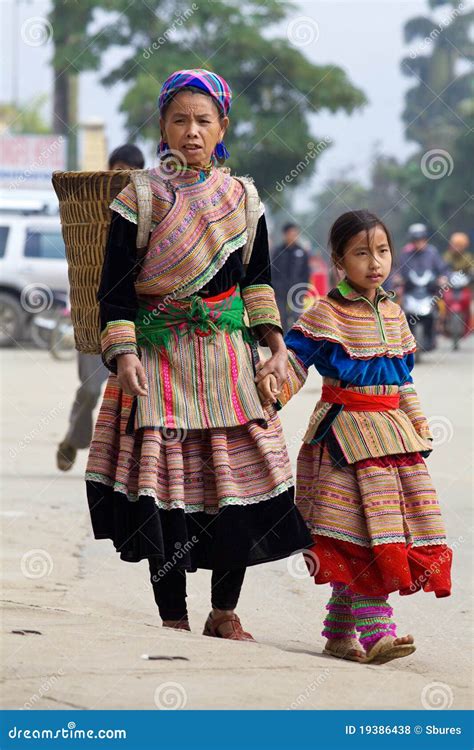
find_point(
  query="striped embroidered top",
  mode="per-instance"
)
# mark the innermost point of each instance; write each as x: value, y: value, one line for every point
x: 198, y: 223
x: 367, y: 349
x: 195, y: 382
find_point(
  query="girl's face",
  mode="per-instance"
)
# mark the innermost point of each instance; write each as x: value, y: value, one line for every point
x: 367, y: 264
x: 192, y: 126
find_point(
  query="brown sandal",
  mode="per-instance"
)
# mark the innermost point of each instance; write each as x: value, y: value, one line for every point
x: 177, y: 624
x: 213, y: 624
x: 385, y: 650
x: 345, y: 648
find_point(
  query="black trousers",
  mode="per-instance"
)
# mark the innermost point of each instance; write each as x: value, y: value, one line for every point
x: 427, y: 324
x: 169, y: 589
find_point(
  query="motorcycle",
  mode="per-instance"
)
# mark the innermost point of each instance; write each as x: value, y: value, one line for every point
x: 419, y: 306
x: 52, y: 329
x: 457, y: 299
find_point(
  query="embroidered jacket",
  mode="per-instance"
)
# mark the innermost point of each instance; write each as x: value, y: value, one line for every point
x: 365, y: 348
x: 198, y: 382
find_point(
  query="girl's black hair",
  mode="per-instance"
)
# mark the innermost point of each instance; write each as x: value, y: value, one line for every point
x: 129, y: 154
x: 350, y: 224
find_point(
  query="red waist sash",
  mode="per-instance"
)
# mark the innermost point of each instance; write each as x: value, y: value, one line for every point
x: 354, y: 401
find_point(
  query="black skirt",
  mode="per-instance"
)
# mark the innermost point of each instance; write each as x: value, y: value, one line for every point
x: 235, y: 537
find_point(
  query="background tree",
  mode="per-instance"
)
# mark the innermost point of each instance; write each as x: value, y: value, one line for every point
x: 74, y: 52
x: 25, y: 120
x: 433, y: 107
x: 434, y: 185
x: 275, y: 86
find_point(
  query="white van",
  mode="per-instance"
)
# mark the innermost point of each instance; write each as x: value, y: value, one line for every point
x: 33, y: 269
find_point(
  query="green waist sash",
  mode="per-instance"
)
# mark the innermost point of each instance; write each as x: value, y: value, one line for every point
x: 159, y: 324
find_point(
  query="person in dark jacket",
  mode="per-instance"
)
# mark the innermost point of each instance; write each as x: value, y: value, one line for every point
x: 290, y: 266
x: 422, y: 260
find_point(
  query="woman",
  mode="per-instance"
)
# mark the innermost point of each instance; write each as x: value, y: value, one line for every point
x: 186, y: 467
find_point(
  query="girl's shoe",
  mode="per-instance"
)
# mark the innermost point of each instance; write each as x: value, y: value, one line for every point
x: 177, y: 624
x: 385, y: 650
x: 238, y: 633
x: 345, y: 648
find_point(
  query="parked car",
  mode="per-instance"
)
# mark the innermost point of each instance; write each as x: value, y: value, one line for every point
x: 24, y: 201
x: 33, y: 271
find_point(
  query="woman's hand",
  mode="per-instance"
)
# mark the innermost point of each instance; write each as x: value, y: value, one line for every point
x: 277, y: 365
x: 131, y: 375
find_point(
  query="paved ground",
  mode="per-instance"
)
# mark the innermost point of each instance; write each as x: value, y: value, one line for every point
x: 96, y: 617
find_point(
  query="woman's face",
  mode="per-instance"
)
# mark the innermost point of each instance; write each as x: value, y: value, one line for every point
x: 192, y: 126
x: 367, y: 264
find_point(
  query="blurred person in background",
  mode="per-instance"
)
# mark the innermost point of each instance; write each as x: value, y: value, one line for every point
x: 458, y: 256
x: 422, y: 272
x: 92, y: 372
x: 457, y: 299
x: 290, y: 267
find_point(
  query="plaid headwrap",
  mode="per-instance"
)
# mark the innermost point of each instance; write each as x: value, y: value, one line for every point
x: 200, y: 78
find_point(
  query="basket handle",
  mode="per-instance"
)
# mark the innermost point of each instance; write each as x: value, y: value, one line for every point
x: 141, y: 182
x: 252, y: 210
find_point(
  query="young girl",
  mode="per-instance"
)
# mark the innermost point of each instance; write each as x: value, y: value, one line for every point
x: 362, y: 484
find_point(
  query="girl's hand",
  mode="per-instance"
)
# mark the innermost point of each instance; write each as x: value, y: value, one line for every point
x: 131, y: 375
x: 277, y: 365
x: 267, y: 390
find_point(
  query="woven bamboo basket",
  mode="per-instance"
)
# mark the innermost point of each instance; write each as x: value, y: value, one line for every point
x: 84, y: 199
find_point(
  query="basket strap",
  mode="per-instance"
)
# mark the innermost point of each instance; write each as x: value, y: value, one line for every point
x: 252, y: 210
x: 141, y: 182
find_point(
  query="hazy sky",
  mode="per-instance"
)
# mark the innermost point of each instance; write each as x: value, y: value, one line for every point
x: 364, y: 38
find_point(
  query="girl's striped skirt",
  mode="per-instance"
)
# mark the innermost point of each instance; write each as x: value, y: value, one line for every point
x: 376, y: 524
